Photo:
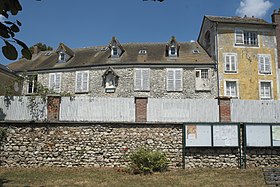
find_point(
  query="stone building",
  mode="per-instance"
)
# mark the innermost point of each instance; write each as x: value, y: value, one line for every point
x: 246, y: 54
x: 11, y: 84
x: 154, y: 70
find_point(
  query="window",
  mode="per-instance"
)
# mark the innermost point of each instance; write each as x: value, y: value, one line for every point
x: 230, y: 63
x: 32, y: 84
x: 202, y: 73
x: 55, y: 82
x: 264, y: 64
x: 174, y: 80
x: 265, y: 90
x: 142, y: 79
x: 82, y: 80
x: 231, y: 89
x: 246, y: 37
x: 250, y: 38
x: 142, y: 52
x: 62, y: 57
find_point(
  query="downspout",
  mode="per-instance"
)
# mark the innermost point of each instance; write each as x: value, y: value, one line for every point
x: 217, y: 67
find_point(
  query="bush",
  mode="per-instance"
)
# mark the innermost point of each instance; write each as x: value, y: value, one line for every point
x: 145, y: 161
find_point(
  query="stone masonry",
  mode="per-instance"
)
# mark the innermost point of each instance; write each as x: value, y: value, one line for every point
x: 87, y: 145
x: 125, y: 86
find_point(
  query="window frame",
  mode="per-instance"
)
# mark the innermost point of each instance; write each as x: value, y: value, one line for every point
x: 200, y: 73
x: 142, y: 79
x: 174, y: 80
x: 264, y: 72
x: 241, y: 36
x: 82, y: 82
x: 236, y: 89
x: 55, y: 77
x: 271, y: 90
x: 230, y: 55
x: 31, y: 79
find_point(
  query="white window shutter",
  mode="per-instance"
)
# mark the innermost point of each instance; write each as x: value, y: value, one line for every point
x: 239, y: 39
x: 233, y: 63
x: 52, y: 81
x: 261, y: 63
x: 178, y: 80
x: 227, y: 63
x: 57, y: 82
x: 267, y: 64
x: 170, y: 80
x: 78, y: 82
x: 146, y: 79
x: 85, y: 82
x: 137, y: 80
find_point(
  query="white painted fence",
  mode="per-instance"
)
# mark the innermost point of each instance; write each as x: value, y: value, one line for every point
x: 13, y: 108
x: 97, y: 109
x: 255, y: 111
x: 183, y: 110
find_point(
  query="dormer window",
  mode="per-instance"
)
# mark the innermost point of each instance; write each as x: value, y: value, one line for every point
x: 64, y: 53
x: 116, y: 48
x: 173, y: 51
x: 172, y: 48
x: 115, y: 52
x: 61, y: 57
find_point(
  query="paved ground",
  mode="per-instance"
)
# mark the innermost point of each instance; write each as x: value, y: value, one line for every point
x: 272, y: 176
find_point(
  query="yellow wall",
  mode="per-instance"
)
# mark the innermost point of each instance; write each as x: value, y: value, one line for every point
x: 247, y: 64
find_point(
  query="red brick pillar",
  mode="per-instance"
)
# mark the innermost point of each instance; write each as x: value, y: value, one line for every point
x: 53, y: 108
x: 224, y: 109
x: 141, y: 109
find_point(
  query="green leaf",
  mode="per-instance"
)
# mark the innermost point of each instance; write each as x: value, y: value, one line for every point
x: 26, y: 53
x: 4, y: 33
x: 15, y: 28
x: 9, y: 51
x: 23, y: 45
x: 19, y: 23
x: 8, y: 22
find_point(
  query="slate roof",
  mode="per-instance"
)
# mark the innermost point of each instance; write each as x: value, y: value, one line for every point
x: 240, y: 20
x: 7, y: 70
x: 100, y: 56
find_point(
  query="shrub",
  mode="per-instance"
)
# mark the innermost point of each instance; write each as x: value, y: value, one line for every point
x: 145, y: 161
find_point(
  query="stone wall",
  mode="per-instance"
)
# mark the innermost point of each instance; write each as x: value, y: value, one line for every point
x: 98, y: 145
x: 214, y: 157
x: 125, y: 86
x: 263, y: 157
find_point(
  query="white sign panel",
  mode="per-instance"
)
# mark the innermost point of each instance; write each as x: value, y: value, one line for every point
x: 258, y: 135
x: 198, y: 135
x: 225, y: 135
x: 276, y: 135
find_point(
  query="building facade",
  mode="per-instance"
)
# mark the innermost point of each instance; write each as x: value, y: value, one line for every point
x: 245, y: 51
x: 154, y: 70
x: 11, y: 84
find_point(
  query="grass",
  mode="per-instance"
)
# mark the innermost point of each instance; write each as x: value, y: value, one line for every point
x: 112, y: 177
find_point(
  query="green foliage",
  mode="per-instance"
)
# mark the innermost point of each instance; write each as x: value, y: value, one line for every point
x: 146, y: 161
x: 8, y: 30
x: 41, y: 46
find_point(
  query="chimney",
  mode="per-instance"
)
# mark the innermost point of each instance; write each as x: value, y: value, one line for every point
x: 276, y: 20
x: 36, y: 50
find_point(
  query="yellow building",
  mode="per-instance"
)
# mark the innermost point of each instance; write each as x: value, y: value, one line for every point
x: 246, y: 56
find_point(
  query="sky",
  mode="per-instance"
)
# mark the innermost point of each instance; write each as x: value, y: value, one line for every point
x: 85, y: 23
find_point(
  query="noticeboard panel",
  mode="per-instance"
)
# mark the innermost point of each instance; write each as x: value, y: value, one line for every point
x: 258, y: 135
x: 225, y: 135
x: 198, y: 136
x: 276, y: 135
